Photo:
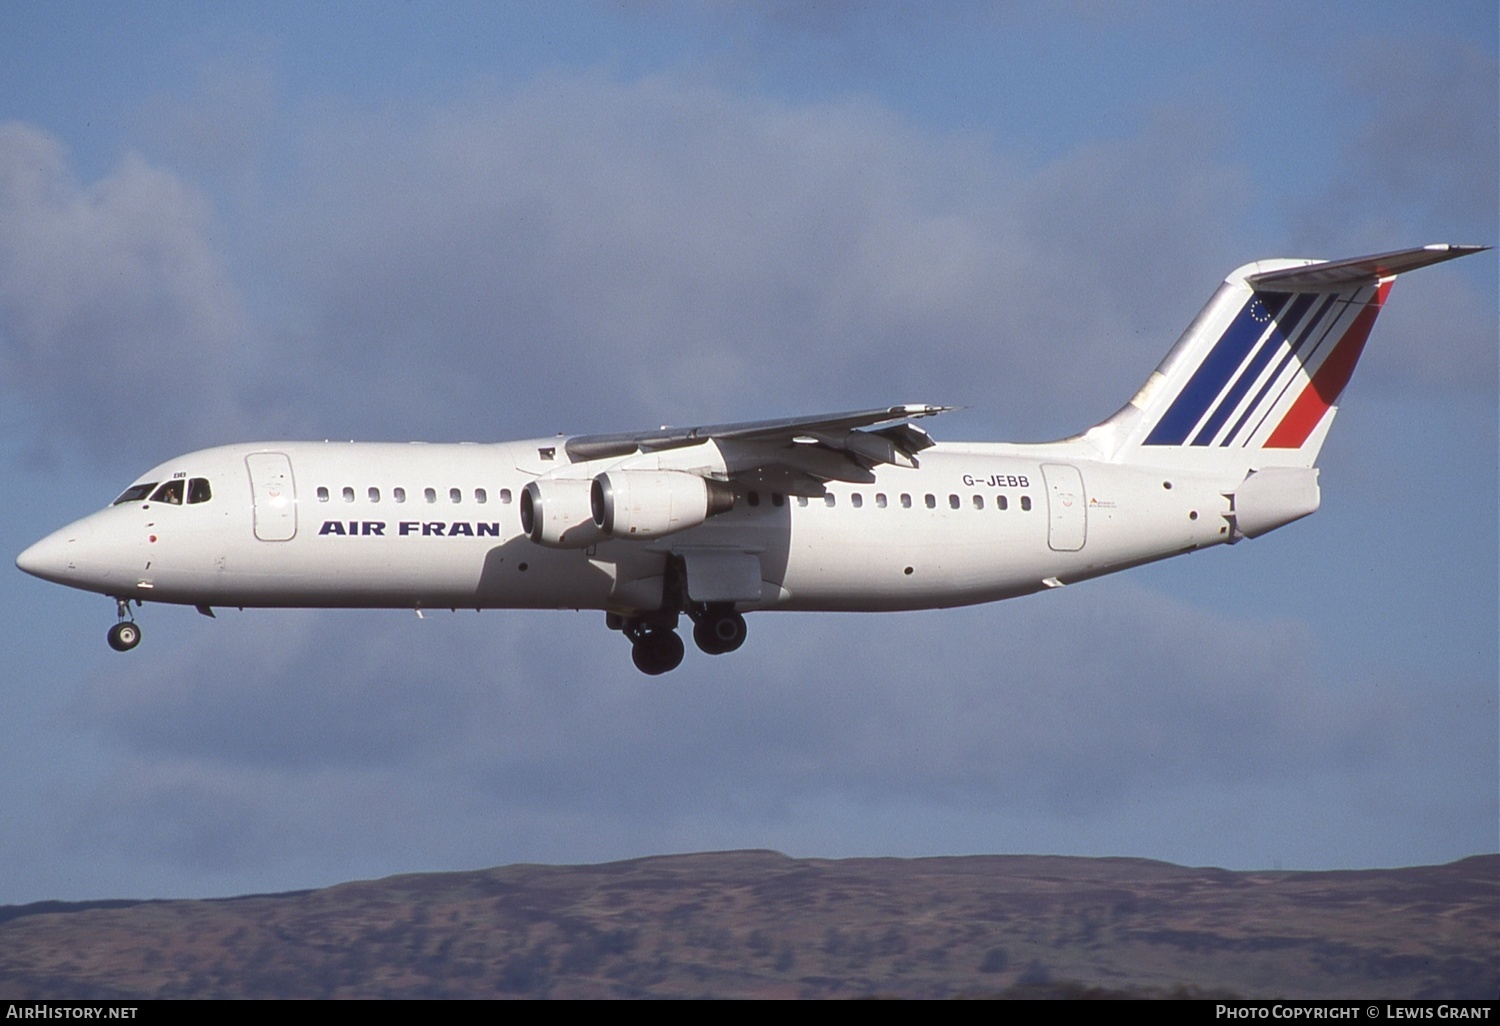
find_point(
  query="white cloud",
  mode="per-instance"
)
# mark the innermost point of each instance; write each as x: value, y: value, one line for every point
x: 602, y: 253
x: 118, y: 325
x: 589, y: 254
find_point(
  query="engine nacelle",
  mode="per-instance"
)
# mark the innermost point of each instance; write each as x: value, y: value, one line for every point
x: 557, y: 513
x: 651, y: 503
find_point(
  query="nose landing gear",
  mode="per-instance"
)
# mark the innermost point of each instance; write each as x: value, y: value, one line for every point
x: 124, y: 635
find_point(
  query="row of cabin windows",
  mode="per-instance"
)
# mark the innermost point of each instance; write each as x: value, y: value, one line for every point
x: 372, y: 494
x: 857, y: 500
x: 481, y: 496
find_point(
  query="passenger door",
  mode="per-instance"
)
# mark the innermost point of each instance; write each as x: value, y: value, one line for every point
x: 1067, y: 515
x: 275, y: 495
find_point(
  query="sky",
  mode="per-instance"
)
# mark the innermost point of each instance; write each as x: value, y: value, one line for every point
x: 395, y: 221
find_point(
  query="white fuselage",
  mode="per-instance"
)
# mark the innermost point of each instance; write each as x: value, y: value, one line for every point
x: 437, y: 526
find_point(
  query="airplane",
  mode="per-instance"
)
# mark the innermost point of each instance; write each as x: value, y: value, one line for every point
x: 856, y: 511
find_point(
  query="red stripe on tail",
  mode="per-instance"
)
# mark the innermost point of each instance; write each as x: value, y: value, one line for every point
x: 1328, y: 383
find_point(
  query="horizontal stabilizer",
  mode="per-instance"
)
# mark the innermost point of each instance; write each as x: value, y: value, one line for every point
x: 1332, y: 275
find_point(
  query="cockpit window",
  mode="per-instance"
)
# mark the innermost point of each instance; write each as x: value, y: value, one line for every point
x: 135, y: 493
x: 170, y: 493
x: 198, y: 490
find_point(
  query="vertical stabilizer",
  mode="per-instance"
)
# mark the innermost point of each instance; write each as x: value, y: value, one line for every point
x: 1256, y: 378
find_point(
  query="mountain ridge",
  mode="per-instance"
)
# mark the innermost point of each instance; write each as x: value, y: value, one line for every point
x: 756, y: 923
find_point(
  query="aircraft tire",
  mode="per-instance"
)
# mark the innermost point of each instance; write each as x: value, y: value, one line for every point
x: 657, y: 652
x: 719, y: 633
x: 124, y: 636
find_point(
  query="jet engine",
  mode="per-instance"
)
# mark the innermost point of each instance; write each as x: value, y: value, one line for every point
x: 556, y: 513
x: 649, y: 504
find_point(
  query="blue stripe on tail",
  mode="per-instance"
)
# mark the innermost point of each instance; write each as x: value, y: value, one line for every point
x: 1285, y: 322
x: 1215, y: 371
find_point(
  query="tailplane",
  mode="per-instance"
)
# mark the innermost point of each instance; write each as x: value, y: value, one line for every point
x: 1256, y: 378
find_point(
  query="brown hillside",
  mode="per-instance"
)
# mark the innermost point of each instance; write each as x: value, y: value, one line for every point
x: 759, y: 924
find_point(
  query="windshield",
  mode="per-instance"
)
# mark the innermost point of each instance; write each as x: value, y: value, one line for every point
x: 170, y: 492
x: 135, y: 493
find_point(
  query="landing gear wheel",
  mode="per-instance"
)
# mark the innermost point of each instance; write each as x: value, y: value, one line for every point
x: 657, y: 652
x: 124, y: 636
x: 717, y: 633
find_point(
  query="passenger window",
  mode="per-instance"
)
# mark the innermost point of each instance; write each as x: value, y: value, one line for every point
x: 1026, y: 502
x: 348, y: 494
x: 455, y: 495
x: 430, y: 494
x: 481, y: 496
x: 505, y: 496
x: 802, y: 500
x: 953, y: 502
x: 399, y: 494
x: 170, y: 493
x: 374, y: 494
x: 880, y: 500
x: 931, y: 501
x: 857, y: 500
x: 322, y: 494
x: 753, y: 497
x: 198, y: 490
x: 979, y: 502
x: 135, y: 493
x: 1001, y: 503
x: 829, y: 500
x: 905, y: 501
x: 777, y: 499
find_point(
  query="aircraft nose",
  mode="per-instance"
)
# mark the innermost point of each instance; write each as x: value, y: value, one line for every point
x: 51, y: 559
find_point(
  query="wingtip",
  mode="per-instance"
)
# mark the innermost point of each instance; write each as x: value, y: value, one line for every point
x: 921, y: 410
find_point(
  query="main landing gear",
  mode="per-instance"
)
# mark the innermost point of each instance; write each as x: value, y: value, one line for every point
x: 124, y: 635
x: 655, y: 651
x: 656, y: 648
x: 718, y: 629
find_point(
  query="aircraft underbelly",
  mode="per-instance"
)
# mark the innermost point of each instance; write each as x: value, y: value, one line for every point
x: 901, y: 569
x: 378, y: 572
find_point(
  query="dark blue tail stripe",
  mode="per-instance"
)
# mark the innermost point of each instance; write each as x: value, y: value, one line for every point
x: 1215, y: 371
x: 1297, y: 342
x: 1284, y: 321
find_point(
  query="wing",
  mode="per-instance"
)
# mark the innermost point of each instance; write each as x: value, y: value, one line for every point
x: 794, y: 454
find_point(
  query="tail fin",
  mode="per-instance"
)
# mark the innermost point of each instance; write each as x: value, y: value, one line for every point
x: 1256, y: 378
